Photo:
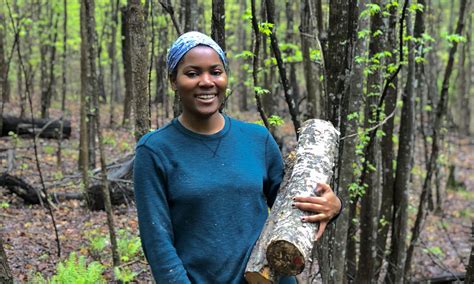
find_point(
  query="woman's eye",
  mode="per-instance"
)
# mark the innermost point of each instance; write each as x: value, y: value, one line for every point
x: 191, y: 74
x: 216, y: 72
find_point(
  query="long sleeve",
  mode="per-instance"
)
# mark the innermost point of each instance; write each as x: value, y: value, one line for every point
x: 274, y: 166
x: 156, y: 230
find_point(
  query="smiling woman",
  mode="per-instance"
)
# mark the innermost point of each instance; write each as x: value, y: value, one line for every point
x: 204, y: 182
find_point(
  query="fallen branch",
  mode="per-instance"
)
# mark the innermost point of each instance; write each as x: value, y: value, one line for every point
x: 45, y: 128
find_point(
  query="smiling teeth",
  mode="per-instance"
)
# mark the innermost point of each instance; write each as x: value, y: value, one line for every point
x: 206, y: 97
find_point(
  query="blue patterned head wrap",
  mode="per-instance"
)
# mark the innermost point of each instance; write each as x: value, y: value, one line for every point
x: 188, y: 41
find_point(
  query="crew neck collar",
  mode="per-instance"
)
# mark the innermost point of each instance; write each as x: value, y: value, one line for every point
x: 217, y: 135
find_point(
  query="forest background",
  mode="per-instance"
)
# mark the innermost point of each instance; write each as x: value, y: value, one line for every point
x: 395, y: 77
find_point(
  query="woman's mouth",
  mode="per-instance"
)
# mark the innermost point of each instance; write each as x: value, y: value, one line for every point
x: 206, y: 97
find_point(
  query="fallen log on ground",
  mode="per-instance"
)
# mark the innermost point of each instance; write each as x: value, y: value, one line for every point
x: 285, y: 244
x: 46, y: 128
x: 119, y: 175
x: 21, y: 188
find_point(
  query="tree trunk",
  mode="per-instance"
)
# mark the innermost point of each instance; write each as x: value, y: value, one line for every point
x: 403, y: 173
x: 190, y: 15
x: 218, y: 22
x: 369, y: 201
x: 463, y: 106
x: 385, y: 218
x: 256, y: 51
x: 113, y: 61
x: 127, y: 68
x: 139, y: 66
x: 64, y: 87
x: 161, y: 96
x: 438, y: 122
x: 88, y: 87
x: 289, y: 95
x: 105, y: 184
x: 5, y: 272
x: 339, y: 52
x: 284, y: 246
x: 344, y: 244
x: 3, y: 69
x: 311, y: 79
x: 289, y: 39
x: 335, y: 56
x: 47, y: 95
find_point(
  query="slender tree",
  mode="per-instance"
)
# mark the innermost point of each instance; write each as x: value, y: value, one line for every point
x: 105, y: 184
x: 64, y: 86
x: 306, y: 28
x: 139, y: 67
x: 404, y: 165
x: 289, y: 95
x: 5, y: 272
x: 289, y: 39
x: 189, y: 15
x: 387, y: 146
x: 241, y: 86
x: 344, y: 243
x: 256, y: 51
x: 4, y: 86
x: 127, y: 67
x: 464, y: 116
x: 83, y: 136
x: 369, y: 201
x: 337, y: 48
x: 112, y: 50
x: 88, y: 88
x: 218, y: 22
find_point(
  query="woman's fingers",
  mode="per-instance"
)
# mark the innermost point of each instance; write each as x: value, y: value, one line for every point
x: 321, y: 229
x: 314, y: 218
x: 322, y: 187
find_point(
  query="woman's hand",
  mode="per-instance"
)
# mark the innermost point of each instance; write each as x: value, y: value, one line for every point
x: 325, y: 207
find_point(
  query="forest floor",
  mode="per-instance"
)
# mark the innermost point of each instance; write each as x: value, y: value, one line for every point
x: 30, y: 240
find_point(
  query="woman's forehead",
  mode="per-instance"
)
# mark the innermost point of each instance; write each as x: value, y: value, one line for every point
x: 201, y: 55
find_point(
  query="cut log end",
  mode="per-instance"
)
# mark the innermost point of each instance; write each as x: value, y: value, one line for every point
x: 261, y: 277
x: 285, y: 258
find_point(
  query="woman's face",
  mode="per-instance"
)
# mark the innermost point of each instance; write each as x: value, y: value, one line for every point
x: 201, y: 82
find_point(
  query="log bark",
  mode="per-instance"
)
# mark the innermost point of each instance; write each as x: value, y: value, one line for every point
x: 285, y: 244
x: 21, y: 188
x: 46, y: 128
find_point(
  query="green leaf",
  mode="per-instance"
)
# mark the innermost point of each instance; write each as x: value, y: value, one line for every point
x: 275, y: 120
x: 455, y: 38
x: 363, y: 33
x: 260, y: 91
x: 265, y: 28
x: 245, y: 54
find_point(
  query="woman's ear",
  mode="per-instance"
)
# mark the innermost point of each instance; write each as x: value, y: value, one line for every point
x: 173, y: 83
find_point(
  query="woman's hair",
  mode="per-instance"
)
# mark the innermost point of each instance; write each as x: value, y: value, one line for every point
x: 186, y: 42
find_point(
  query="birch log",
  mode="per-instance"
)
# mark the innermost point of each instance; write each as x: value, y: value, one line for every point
x: 285, y: 244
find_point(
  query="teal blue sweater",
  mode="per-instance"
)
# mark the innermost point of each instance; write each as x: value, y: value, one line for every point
x: 202, y: 200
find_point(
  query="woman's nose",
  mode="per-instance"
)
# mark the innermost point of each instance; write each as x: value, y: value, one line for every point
x: 206, y: 80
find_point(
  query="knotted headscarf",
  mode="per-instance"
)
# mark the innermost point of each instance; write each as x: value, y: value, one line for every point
x: 188, y: 41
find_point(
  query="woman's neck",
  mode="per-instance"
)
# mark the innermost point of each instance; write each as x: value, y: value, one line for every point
x: 207, y: 126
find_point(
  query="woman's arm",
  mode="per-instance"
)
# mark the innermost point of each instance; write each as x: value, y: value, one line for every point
x: 154, y: 220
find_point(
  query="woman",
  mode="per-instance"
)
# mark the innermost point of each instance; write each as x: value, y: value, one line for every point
x: 203, y: 182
